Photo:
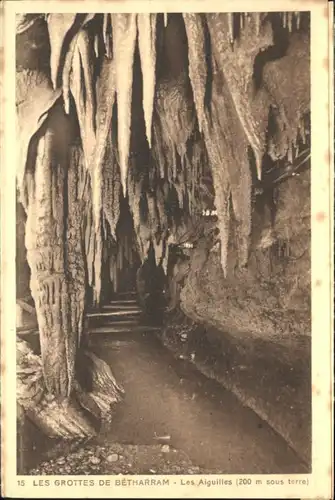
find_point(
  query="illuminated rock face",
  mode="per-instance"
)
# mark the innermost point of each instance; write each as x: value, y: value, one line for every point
x: 176, y: 114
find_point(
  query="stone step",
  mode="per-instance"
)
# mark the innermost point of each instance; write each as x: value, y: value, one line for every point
x: 97, y: 322
x: 119, y: 305
x: 114, y: 313
x: 110, y: 329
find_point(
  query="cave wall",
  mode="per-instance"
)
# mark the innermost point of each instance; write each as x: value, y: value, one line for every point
x: 271, y: 298
x: 201, y: 110
x: 251, y: 330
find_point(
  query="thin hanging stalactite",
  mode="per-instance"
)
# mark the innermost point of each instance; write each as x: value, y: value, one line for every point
x: 124, y: 39
x: 197, y: 61
x: 226, y: 143
x: 111, y: 188
x: 237, y: 65
x: 81, y: 85
x: 106, y: 86
x: 146, y: 24
x: 58, y: 27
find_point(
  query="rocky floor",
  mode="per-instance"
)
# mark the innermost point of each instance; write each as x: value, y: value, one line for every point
x: 167, y: 397
x: 120, y: 459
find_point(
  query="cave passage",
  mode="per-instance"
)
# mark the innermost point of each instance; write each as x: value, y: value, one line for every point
x: 163, y: 168
x: 169, y: 397
x: 165, y: 396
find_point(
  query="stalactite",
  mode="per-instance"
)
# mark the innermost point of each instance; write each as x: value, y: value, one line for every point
x: 32, y: 87
x: 86, y: 61
x: 58, y: 26
x: 298, y: 18
x: 163, y: 222
x: 111, y: 268
x: 153, y: 216
x: 235, y: 118
x: 124, y: 38
x: 146, y: 24
x: 158, y: 249
x: 257, y: 21
x: 106, y: 31
x: 96, y: 46
x: 111, y: 188
x: 105, y: 100
x: 302, y: 131
x: 115, y: 275
x: 175, y: 110
x: 66, y: 74
x: 226, y: 144
x: 238, y: 67
x: 165, y: 260
x: 166, y: 20
x: 82, y: 91
x: 197, y: 61
x: 180, y: 194
x: 291, y: 96
x: 230, y: 18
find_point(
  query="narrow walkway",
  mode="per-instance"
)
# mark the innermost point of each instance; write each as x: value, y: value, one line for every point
x: 168, y: 397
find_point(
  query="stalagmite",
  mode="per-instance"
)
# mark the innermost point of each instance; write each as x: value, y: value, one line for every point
x: 45, y: 254
x: 146, y: 24
x: 75, y: 257
x: 197, y: 61
x: 124, y: 38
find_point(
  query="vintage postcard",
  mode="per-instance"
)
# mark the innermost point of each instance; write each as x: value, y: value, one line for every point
x: 167, y: 249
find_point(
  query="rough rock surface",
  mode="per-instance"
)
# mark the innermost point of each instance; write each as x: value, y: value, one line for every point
x: 252, y: 331
x: 119, y: 459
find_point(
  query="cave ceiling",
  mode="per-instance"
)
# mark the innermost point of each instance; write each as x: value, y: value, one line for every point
x: 172, y: 114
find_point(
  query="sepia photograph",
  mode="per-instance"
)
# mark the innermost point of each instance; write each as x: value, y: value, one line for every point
x: 163, y: 247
